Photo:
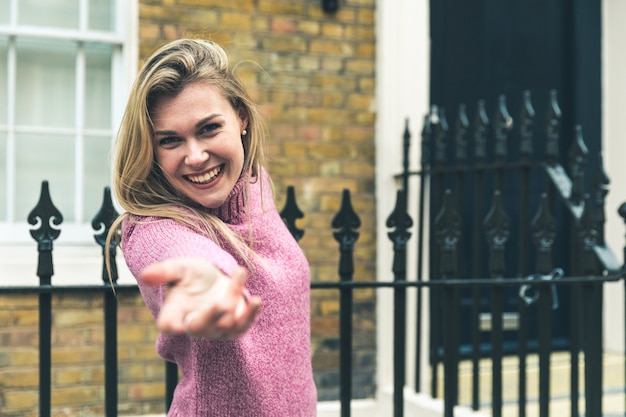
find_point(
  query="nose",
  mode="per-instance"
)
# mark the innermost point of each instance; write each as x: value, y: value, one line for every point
x: 196, y: 154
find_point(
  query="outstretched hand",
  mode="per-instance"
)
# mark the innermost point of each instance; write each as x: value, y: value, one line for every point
x: 201, y: 300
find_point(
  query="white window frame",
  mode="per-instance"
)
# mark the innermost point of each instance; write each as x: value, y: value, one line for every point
x: 16, y: 230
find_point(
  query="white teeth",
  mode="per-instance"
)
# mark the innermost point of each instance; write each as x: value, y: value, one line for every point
x: 204, y: 178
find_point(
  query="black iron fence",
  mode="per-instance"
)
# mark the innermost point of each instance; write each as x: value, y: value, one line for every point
x: 471, y: 291
x: 515, y: 236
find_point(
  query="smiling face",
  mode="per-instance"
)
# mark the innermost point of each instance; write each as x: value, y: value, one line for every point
x: 197, y: 142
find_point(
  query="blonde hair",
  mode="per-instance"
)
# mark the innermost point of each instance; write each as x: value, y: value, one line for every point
x: 139, y: 185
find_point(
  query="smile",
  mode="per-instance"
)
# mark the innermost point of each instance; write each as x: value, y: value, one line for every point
x: 206, y: 177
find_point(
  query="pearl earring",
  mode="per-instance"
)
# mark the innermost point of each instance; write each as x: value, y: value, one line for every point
x: 244, y: 132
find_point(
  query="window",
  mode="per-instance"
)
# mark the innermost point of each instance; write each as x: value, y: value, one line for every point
x: 64, y: 65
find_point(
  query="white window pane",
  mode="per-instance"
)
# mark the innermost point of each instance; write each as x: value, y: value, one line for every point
x: 45, y: 83
x: 49, y: 13
x: 3, y: 177
x: 96, y: 172
x: 44, y: 157
x: 98, y: 87
x: 4, y: 11
x: 3, y: 80
x: 101, y: 14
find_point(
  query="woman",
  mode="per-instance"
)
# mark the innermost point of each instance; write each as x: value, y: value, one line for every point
x: 203, y: 238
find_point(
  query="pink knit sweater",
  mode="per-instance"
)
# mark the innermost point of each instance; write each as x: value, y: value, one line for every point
x: 267, y: 371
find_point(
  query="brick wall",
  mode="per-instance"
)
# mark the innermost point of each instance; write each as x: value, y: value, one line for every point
x: 313, y: 76
x: 77, y: 356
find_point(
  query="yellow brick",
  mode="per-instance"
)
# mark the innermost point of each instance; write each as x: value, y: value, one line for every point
x: 330, y: 168
x: 69, y: 376
x: 77, y: 395
x: 329, y: 308
x: 366, y: 84
x: 76, y: 317
x: 366, y: 16
x: 261, y: 23
x: 18, y: 379
x: 21, y: 301
x: 360, y: 66
x: 144, y: 352
x: 334, y: 99
x: 361, y: 34
x: 149, y: 31
x: 366, y: 50
x: 276, y: 7
x: 332, y: 64
x: 5, y: 319
x: 333, y: 30
x: 238, y: 21
x: 21, y: 357
x: 334, y: 82
x: 359, y: 134
x: 95, y: 374
x: 338, y: 116
x: 360, y: 102
x: 366, y: 118
x: 284, y: 44
x: 84, y: 301
x: 77, y: 355
x: 20, y: 400
x: 131, y: 334
x: 331, y: 47
x: 309, y: 63
x: 24, y: 318
x: 242, y: 5
x: 309, y: 27
x: 144, y: 391
x: 202, y: 3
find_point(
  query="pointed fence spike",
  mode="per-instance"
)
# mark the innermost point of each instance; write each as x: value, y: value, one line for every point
x: 347, y: 221
x: 101, y: 224
x: 461, y: 127
x: 406, y: 143
x: 447, y: 234
x: 502, y: 125
x: 553, y: 125
x: 481, y: 124
x: 441, y: 133
x: 544, y: 233
x: 497, y: 231
x: 426, y: 141
x: 44, y: 217
x: 578, y: 154
x: 527, y: 122
x: 291, y: 212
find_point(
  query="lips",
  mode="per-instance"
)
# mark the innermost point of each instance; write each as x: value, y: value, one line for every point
x: 206, y: 177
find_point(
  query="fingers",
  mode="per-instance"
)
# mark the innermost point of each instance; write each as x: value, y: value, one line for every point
x: 230, y: 317
x: 166, y: 272
x: 202, y: 301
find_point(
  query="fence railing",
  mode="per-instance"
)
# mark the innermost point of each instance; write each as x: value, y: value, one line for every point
x: 534, y: 286
x: 491, y: 262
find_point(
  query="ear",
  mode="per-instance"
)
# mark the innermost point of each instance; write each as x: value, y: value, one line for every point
x: 243, y: 117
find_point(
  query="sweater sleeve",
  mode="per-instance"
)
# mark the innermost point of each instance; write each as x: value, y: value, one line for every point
x: 149, y: 241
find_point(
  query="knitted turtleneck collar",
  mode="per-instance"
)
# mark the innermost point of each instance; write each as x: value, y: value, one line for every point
x: 233, y: 211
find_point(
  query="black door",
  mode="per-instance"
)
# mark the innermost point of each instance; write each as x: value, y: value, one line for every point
x: 482, y: 49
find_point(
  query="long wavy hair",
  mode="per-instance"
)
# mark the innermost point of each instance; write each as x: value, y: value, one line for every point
x: 139, y: 184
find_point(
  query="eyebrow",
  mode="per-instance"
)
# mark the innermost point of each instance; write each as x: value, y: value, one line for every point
x: 198, y: 125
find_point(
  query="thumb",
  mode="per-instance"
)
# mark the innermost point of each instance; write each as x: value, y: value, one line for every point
x: 167, y: 272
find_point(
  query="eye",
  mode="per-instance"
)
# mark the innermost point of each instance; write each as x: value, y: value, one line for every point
x: 209, y: 128
x: 169, y: 141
